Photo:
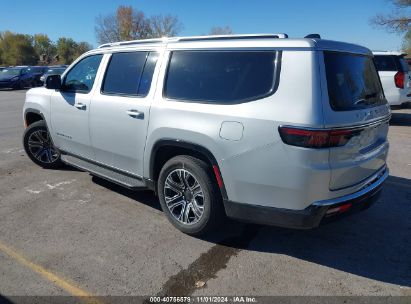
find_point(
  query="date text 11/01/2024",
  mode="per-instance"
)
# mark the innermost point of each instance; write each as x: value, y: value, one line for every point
x: 203, y: 299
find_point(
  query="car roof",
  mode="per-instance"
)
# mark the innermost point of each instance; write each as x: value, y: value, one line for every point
x: 252, y: 41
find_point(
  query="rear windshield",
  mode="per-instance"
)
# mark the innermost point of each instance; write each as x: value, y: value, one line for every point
x: 353, y: 81
x: 390, y: 63
x: 386, y: 63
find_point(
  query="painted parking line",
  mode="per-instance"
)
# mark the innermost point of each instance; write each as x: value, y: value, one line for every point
x: 49, y: 276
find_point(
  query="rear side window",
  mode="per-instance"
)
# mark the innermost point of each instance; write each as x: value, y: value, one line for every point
x: 223, y: 77
x: 353, y: 81
x: 129, y: 73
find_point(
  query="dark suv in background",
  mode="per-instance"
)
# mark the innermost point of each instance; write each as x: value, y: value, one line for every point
x: 16, y: 78
x: 52, y: 70
x: 37, y: 72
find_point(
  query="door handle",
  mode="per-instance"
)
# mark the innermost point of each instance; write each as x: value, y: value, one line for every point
x: 135, y: 114
x: 80, y: 106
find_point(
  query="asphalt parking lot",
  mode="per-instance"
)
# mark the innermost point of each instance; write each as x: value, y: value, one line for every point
x: 64, y: 232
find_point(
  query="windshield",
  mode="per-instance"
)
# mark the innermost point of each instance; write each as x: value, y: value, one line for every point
x: 55, y: 71
x: 10, y: 72
x: 353, y: 81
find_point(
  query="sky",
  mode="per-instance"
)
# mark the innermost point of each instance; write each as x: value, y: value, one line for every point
x: 344, y: 20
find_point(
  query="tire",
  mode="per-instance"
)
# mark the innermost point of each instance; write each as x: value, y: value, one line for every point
x: 39, y: 146
x: 19, y: 86
x: 178, y: 177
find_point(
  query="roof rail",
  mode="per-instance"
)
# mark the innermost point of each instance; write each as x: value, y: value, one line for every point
x: 131, y: 42
x: 234, y: 37
x: 195, y: 38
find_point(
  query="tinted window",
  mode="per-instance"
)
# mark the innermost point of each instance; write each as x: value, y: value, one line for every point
x: 385, y: 63
x: 10, y: 72
x: 81, y: 77
x: 147, y: 75
x: 37, y: 70
x: 220, y: 77
x: 353, y: 82
x: 125, y: 72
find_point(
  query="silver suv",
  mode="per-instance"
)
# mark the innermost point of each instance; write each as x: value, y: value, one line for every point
x: 260, y: 128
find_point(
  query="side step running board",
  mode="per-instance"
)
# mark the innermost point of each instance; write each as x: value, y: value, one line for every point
x: 123, y: 179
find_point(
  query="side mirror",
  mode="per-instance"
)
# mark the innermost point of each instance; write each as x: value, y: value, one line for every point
x: 53, y: 82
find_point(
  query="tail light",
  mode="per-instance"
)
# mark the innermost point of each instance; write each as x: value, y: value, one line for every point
x: 339, y: 209
x: 317, y: 138
x: 399, y: 80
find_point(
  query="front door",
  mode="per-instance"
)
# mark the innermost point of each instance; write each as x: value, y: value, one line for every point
x: 70, y: 108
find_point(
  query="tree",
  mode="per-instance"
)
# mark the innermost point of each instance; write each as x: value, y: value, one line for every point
x: 44, y: 47
x: 17, y: 49
x: 218, y: 30
x: 398, y: 21
x: 406, y: 46
x: 131, y: 24
x: 164, y: 26
x: 81, y: 48
x: 126, y: 24
x: 66, y: 50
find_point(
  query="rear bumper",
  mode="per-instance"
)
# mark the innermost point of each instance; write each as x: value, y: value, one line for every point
x: 398, y: 99
x: 311, y: 216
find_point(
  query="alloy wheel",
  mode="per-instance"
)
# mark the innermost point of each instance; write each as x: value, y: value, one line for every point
x: 184, y: 196
x: 41, y: 147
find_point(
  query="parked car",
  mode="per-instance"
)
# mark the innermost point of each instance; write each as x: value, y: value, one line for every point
x: 16, y: 78
x: 52, y: 71
x: 395, y: 77
x: 37, y: 72
x: 261, y: 128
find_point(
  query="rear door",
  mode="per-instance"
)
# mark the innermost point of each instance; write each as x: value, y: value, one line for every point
x: 354, y: 104
x: 120, y: 110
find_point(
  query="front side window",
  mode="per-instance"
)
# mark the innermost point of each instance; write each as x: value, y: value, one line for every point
x: 80, y: 78
x: 353, y: 81
x: 147, y: 75
x: 222, y: 77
